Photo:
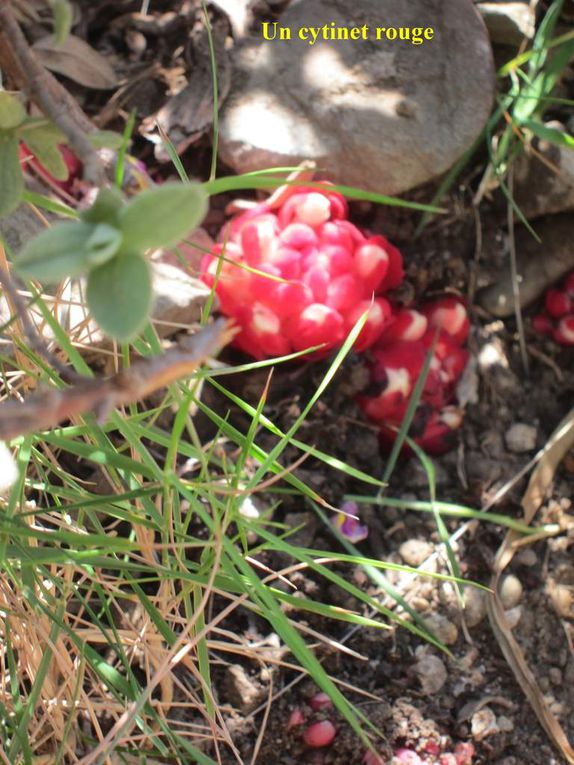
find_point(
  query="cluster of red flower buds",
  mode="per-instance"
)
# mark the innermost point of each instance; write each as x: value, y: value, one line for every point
x: 398, y: 359
x: 299, y: 274
x: 557, y: 321
x: 302, y: 275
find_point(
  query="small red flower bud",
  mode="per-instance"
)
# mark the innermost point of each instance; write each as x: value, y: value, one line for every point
x: 408, y: 757
x: 558, y: 303
x: 320, y: 734
x: 564, y: 331
x: 447, y: 758
x: 464, y: 752
x: 296, y: 718
x: 318, y: 324
x: 320, y: 701
x: 406, y: 325
x: 569, y: 284
x: 542, y: 324
x: 449, y: 315
x: 379, y: 313
x: 343, y: 293
x: 371, y: 264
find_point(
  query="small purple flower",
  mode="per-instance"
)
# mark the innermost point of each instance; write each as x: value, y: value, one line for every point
x: 348, y: 523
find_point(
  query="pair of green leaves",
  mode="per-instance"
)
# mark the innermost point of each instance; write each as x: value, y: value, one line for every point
x: 41, y: 137
x: 108, y: 244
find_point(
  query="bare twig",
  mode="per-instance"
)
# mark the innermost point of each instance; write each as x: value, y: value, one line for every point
x: 48, y: 408
x: 19, y: 62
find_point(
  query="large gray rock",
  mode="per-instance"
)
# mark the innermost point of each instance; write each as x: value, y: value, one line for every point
x: 385, y: 116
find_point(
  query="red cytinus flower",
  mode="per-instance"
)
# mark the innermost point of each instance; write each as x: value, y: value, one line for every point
x: 397, y: 361
x: 302, y: 275
x: 558, y: 319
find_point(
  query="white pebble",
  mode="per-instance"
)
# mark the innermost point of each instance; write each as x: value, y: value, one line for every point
x: 520, y: 437
x: 510, y: 591
x: 431, y: 673
x: 414, y: 552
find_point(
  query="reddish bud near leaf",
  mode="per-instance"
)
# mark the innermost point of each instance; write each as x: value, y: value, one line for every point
x: 320, y: 734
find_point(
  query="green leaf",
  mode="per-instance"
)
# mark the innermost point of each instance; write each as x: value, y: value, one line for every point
x: 119, y: 296
x: 11, y: 177
x: 63, y: 17
x: 32, y: 124
x: 105, y: 208
x: 162, y: 216
x: 103, y: 244
x: 552, y: 135
x: 43, y: 143
x: 12, y: 111
x: 105, y: 139
x: 57, y: 253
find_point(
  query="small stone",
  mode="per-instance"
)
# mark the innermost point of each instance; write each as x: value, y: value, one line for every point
x: 520, y: 438
x: 444, y: 630
x: 508, y: 23
x: 513, y: 617
x: 510, y: 591
x: 431, y: 673
x: 527, y: 557
x: 561, y: 596
x: 242, y: 691
x: 555, y: 676
x: 414, y: 552
x: 483, y: 724
x: 474, y: 606
x: 505, y: 724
